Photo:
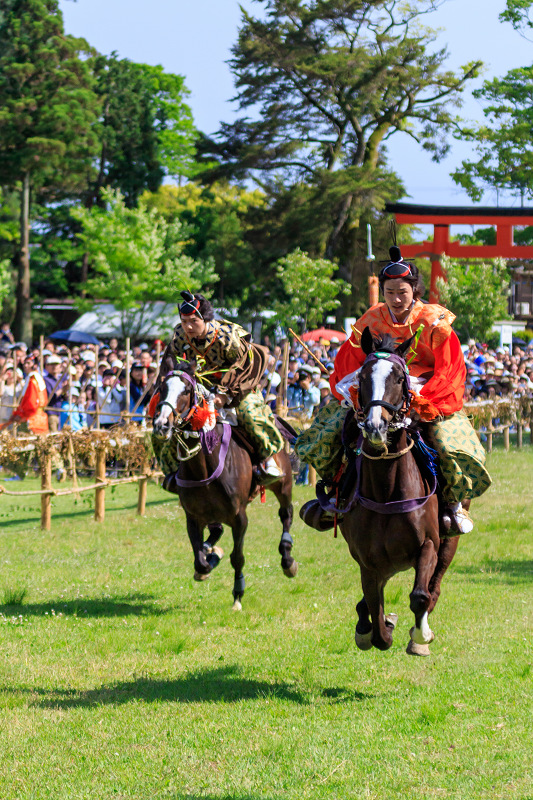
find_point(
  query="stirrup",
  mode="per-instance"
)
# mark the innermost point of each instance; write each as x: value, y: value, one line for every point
x: 314, y: 515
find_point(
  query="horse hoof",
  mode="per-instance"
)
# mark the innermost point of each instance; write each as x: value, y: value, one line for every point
x: 363, y: 640
x: 292, y: 571
x: 391, y: 620
x: 201, y: 576
x: 414, y: 649
x: 237, y: 605
x: 416, y: 636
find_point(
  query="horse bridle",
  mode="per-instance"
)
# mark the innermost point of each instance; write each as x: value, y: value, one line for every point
x: 398, y: 411
x: 184, y: 452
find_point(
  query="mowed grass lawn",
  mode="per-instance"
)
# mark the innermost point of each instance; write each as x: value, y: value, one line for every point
x: 123, y: 678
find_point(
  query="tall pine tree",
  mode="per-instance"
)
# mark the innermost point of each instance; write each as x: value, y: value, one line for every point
x: 48, y: 114
x: 322, y: 85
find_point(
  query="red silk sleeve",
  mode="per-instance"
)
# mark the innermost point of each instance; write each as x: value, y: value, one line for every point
x: 29, y: 402
x: 446, y: 388
x: 349, y: 358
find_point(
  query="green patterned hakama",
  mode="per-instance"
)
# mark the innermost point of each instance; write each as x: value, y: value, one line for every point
x: 257, y: 421
x: 320, y: 445
x: 461, y: 456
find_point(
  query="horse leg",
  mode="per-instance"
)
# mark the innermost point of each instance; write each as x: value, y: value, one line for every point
x: 215, y: 532
x: 447, y: 550
x: 284, y: 497
x: 202, y: 567
x: 420, y: 601
x: 363, y: 629
x: 237, y: 557
x: 373, y: 597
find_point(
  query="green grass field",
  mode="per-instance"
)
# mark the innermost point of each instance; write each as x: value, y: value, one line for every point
x: 123, y: 678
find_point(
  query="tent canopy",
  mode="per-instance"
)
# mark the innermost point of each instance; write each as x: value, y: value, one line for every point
x: 155, y: 320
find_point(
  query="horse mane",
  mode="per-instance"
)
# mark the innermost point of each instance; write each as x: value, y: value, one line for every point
x: 386, y: 344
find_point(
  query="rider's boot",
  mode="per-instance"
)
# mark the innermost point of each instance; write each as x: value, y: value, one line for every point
x: 269, y: 471
x: 460, y: 519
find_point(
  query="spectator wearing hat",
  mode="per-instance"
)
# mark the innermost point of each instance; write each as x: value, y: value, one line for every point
x: 110, y: 399
x: 73, y: 411
x: 302, y: 396
x: 325, y: 393
x: 54, y: 381
x: 137, y: 387
x: 10, y: 390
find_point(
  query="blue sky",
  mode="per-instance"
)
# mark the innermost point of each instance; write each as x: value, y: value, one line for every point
x: 194, y: 39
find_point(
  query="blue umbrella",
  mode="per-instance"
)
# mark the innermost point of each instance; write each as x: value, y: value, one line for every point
x: 72, y: 336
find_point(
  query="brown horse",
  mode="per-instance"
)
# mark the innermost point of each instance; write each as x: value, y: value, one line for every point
x: 394, y: 523
x: 216, y: 479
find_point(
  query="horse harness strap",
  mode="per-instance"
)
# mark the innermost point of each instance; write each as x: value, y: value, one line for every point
x: 224, y: 446
x: 392, y: 507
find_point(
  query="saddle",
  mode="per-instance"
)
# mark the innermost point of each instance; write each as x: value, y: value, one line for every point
x: 343, y: 494
x: 172, y: 480
x: 243, y: 440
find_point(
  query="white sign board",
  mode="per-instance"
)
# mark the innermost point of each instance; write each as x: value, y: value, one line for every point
x: 348, y: 322
x: 506, y: 336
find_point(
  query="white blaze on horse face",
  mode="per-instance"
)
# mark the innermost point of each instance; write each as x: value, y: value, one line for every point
x: 175, y: 387
x: 380, y: 372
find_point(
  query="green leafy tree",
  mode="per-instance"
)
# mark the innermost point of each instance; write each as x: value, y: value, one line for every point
x: 503, y: 144
x: 477, y: 294
x: 147, y: 128
x: 518, y: 13
x: 310, y: 289
x: 137, y: 258
x: 218, y: 220
x: 48, y: 112
x: 322, y: 86
x: 9, y: 232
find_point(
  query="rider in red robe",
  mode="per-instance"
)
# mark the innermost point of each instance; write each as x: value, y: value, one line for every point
x: 437, y: 372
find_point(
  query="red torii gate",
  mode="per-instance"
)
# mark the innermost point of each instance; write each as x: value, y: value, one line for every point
x: 441, y: 217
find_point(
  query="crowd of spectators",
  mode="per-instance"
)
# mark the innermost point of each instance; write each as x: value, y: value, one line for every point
x: 500, y: 372
x: 75, y: 387
x: 74, y: 384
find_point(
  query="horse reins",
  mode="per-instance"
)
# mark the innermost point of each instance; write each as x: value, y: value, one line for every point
x: 190, y: 452
x: 184, y: 452
x: 388, y: 455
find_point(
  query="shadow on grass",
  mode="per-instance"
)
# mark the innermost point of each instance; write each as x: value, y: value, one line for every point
x: 130, y: 605
x: 504, y: 571
x: 340, y: 694
x: 222, y: 685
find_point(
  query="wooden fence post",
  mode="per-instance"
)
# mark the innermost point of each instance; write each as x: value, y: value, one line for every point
x: 143, y: 486
x: 519, y: 434
x: 99, y: 494
x: 46, y: 499
x: 506, y: 437
x: 489, y: 439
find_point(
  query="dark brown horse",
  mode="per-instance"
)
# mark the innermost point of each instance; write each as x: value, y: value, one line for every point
x: 394, y: 524
x: 216, y: 478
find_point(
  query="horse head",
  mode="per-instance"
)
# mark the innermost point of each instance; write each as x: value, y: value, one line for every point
x: 383, y: 387
x: 177, y: 395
